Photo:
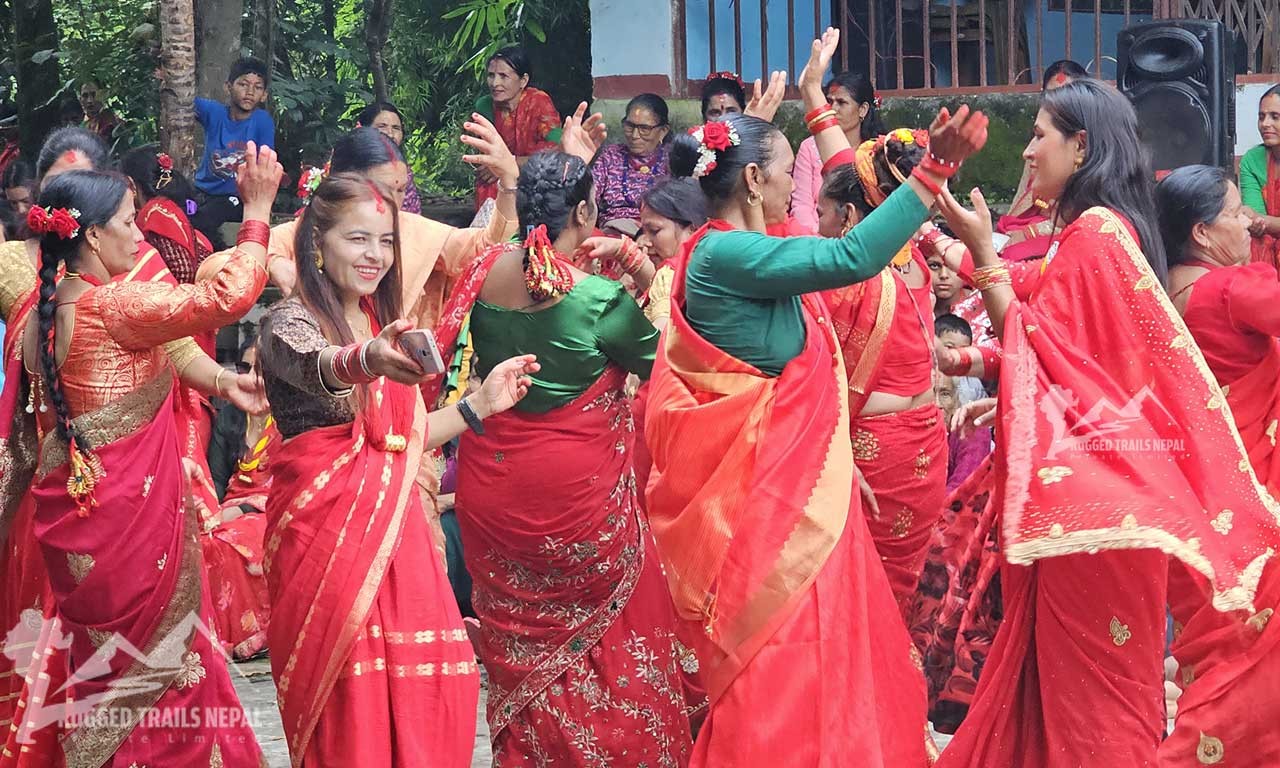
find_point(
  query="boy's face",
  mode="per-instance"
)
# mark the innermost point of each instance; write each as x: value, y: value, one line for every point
x: 246, y: 92
x: 954, y: 340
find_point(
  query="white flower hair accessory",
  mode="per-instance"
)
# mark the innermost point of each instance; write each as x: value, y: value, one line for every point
x: 712, y: 139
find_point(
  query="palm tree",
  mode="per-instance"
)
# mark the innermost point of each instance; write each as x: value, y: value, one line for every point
x: 178, y: 82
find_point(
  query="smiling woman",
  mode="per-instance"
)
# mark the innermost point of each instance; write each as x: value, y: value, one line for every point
x: 624, y: 172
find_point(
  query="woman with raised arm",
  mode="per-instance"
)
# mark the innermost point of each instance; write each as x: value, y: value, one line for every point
x: 753, y: 498
x: 1229, y: 662
x: 577, y: 630
x: 1115, y: 452
x: 109, y: 463
x: 368, y: 650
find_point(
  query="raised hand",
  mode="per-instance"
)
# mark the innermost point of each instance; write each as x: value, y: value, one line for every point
x: 506, y: 385
x: 972, y: 227
x: 954, y: 138
x: 247, y: 392
x: 764, y: 104
x: 583, y: 137
x: 385, y: 358
x: 258, y: 180
x: 821, y: 53
x: 492, y: 155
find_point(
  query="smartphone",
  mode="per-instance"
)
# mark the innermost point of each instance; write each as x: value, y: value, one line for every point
x: 420, y: 344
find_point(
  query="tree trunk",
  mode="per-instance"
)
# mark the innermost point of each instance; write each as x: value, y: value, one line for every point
x: 34, y: 33
x: 178, y: 87
x: 377, y: 26
x: 218, y: 33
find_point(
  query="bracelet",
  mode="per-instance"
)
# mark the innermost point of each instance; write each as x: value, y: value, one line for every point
x: 966, y: 360
x: 815, y: 113
x: 511, y: 190
x: 822, y: 125
x: 474, y: 423
x: 843, y: 157
x: 986, y: 278
x: 633, y: 258
x: 364, y: 360
x: 825, y: 114
x: 919, y: 175
x: 943, y: 168
x: 349, y: 368
x: 217, y: 382
x: 254, y: 231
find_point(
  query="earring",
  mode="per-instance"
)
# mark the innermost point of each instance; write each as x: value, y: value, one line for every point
x: 755, y: 198
x: 1079, y: 162
x: 319, y: 261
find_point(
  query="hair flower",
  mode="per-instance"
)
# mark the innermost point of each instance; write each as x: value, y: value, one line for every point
x: 712, y: 139
x: 309, y: 181
x: 62, y: 222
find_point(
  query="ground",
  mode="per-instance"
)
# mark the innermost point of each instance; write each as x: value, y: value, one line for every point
x: 258, y: 695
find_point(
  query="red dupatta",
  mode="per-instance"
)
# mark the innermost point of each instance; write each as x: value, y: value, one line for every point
x: 168, y: 230
x: 339, y: 500
x: 1117, y: 434
x: 1266, y: 249
x: 742, y: 541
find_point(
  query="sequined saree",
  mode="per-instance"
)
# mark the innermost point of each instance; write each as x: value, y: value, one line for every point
x: 1112, y: 436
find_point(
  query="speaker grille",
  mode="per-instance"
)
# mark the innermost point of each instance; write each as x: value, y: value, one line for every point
x: 1175, y: 125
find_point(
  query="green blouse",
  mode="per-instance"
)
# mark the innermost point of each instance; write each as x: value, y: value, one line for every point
x: 1253, y: 179
x: 742, y: 289
x: 574, y: 339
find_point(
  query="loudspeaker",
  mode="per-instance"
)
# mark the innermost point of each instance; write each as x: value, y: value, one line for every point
x: 1180, y: 76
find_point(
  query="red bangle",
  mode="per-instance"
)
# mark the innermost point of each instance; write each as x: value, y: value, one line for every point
x: 346, y: 365
x: 254, y: 231
x: 823, y: 125
x: 943, y: 168
x: 843, y: 157
x: 919, y: 175
x: 813, y: 115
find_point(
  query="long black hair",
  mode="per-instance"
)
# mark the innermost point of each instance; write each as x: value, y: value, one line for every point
x: 96, y: 196
x: 142, y: 165
x: 71, y: 139
x: 1191, y: 195
x: 860, y: 88
x: 677, y: 199
x: 363, y: 149
x: 1116, y: 172
x: 316, y: 291
x: 552, y: 185
x: 756, y: 146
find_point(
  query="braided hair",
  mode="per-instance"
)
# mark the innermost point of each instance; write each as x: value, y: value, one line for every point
x: 97, y: 196
x: 552, y: 185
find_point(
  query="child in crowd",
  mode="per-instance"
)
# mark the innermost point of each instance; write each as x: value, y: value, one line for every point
x: 227, y: 129
x: 954, y: 392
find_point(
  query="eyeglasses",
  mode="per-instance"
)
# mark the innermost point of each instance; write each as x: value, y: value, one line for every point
x: 242, y: 367
x: 640, y: 128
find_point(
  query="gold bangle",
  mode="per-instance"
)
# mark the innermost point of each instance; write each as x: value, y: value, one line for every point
x: 828, y: 114
x: 995, y: 275
x: 217, y: 381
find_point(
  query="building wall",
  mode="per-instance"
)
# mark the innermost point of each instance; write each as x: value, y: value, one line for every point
x: 631, y: 46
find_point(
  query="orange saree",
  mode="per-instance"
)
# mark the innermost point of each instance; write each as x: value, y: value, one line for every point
x: 770, y: 562
x: 1113, y: 436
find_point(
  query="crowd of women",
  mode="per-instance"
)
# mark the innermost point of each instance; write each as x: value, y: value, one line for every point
x: 751, y: 461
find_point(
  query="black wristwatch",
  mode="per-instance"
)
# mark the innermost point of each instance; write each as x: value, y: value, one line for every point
x: 469, y: 415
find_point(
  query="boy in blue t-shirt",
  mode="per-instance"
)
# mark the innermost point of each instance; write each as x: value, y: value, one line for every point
x: 227, y: 129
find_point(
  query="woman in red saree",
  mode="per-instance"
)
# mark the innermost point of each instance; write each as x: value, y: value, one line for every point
x: 368, y: 650
x: 1229, y: 662
x: 148, y: 685
x: 525, y: 117
x: 577, y: 629
x: 1115, y: 451
x: 753, y: 497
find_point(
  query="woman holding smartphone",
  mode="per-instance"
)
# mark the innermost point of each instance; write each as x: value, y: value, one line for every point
x: 367, y: 643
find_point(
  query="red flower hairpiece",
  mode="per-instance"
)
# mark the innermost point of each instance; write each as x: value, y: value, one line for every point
x: 164, y: 161
x: 60, y: 221
x: 733, y: 76
x: 875, y: 99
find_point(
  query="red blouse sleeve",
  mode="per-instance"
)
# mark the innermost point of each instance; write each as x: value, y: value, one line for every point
x: 1253, y: 299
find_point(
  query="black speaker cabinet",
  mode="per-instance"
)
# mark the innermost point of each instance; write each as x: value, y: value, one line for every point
x: 1180, y: 76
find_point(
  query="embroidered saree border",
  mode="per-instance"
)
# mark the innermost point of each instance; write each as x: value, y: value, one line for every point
x: 109, y: 423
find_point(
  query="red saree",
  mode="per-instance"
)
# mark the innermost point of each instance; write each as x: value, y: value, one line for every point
x: 149, y: 687
x: 776, y: 581
x: 368, y: 649
x: 534, y: 125
x: 1266, y: 249
x: 1112, y: 437
x: 869, y: 319
x: 167, y: 229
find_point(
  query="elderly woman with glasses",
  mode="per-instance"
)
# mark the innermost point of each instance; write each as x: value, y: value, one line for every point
x: 625, y: 171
